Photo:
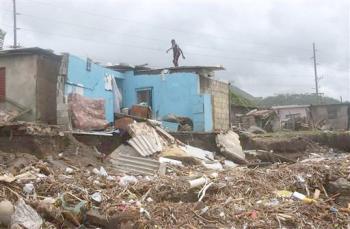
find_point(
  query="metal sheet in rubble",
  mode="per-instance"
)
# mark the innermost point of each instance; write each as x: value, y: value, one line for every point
x: 135, y: 165
x: 145, y: 145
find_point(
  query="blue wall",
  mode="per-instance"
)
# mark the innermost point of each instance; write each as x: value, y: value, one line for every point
x: 176, y: 93
x: 91, y: 83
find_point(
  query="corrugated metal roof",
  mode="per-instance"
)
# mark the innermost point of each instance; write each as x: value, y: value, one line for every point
x: 260, y: 112
x: 145, y: 145
x: 135, y: 165
x: 290, y: 106
x: 145, y: 140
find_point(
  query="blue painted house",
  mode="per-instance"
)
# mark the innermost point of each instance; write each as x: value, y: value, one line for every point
x: 183, y: 91
x: 189, y: 91
x: 91, y: 80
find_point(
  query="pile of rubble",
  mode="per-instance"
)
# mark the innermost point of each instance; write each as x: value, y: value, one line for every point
x: 156, y: 181
x: 149, y: 146
x: 304, y: 194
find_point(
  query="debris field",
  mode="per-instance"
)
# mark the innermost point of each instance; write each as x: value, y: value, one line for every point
x: 174, y: 185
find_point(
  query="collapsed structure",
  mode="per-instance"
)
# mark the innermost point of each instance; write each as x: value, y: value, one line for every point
x: 45, y: 80
x: 83, y: 145
x: 293, y: 117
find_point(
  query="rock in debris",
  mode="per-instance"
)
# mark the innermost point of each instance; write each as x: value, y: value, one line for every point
x: 341, y: 185
x: 230, y: 146
x: 6, y: 210
x: 25, y: 216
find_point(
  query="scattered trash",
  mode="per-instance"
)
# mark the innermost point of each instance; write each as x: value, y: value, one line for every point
x: 145, y: 212
x: 198, y: 153
x: 333, y: 210
x: 76, y: 209
x: 197, y: 182
x: 215, y: 165
x: 176, y: 186
x: 302, y: 197
x: 28, y: 188
x: 284, y: 193
x: 69, y: 170
x: 204, y: 210
x: 316, y: 194
x: 100, y: 172
x: 103, y: 172
x: 127, y: 180
x: 170, y: 161
x: 230, y: 164
x: 97, y: 197
x: 8, y: 178
x: 48, y: 200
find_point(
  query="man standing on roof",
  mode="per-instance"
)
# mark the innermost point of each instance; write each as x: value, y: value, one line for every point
x: 176, y: 52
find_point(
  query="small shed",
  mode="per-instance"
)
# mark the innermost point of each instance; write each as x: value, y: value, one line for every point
x: 330, y: 116
x: 293, y: 117
x: 28, y: 79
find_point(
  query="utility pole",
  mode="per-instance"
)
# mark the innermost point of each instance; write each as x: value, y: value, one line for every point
x: 315, y: 69
x: 14, y: 25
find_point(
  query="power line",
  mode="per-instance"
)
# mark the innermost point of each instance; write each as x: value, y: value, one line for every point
x: 14, y: 24
x: 152, y: 49
x: 197, y: 54
x: 158, y: 27
x: 137, y: 36
x: 134, y: 35
x: 155, y: 49
x: 315, y: 69
x: 145, y: 38
x: 128, y: 34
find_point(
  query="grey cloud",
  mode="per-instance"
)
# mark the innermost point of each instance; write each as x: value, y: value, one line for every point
x: 265, y: 45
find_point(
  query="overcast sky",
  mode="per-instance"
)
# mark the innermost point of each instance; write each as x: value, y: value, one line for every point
x: 266, y: 46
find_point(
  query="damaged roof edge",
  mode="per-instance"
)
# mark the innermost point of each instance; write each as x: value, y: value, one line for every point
x: 196, y: 69
x: 26, y: 51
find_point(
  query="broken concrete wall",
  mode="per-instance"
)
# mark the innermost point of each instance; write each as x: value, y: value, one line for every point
x: 201, y: 140
x: 20, y: 81
x: 62, y: 104
x: 219, y: 92
x: 285, y: 112
x: 30, y: 80
x: 47, y: 73
x: 330, y: 117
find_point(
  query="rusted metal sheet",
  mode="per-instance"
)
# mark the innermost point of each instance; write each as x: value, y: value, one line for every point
x: 141, y: 111
x: 87, y: 113
x: 134, y: 165
x: 122, y: 123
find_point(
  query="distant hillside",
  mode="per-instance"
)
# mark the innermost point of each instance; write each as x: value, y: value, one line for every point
x: 241, y: 98
x: 294, y: 99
